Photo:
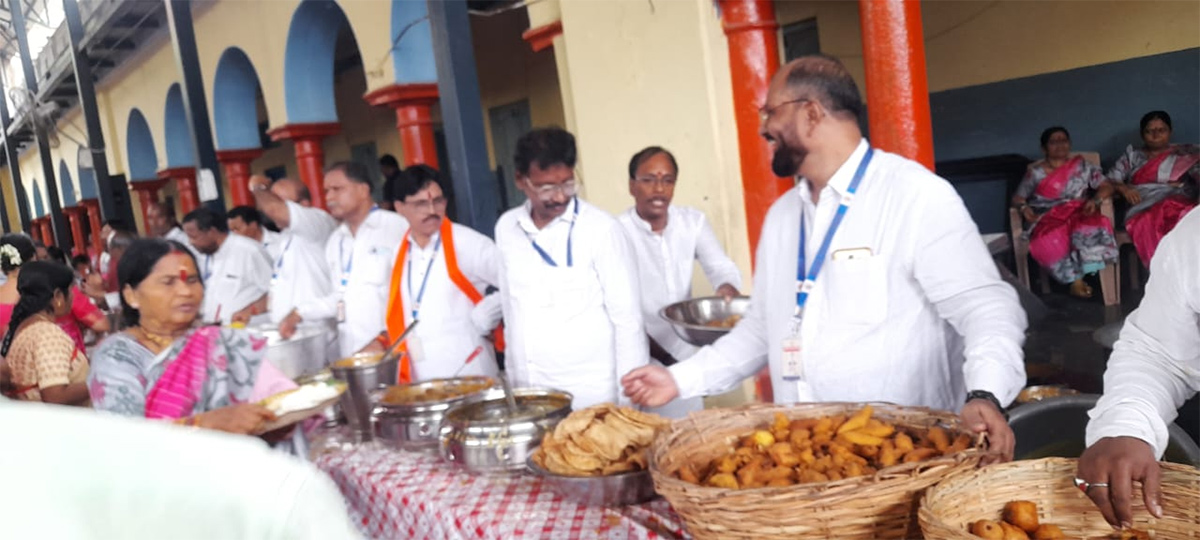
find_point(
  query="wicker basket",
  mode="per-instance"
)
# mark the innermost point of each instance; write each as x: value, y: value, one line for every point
x: 963, y: 498
x: 881, y: 506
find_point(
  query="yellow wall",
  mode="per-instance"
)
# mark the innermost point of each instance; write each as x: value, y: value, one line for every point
x: 661, y: 77
x: 972, y: 43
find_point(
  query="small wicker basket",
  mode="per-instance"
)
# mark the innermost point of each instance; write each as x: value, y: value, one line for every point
x: 882, y: 506
x: 965, y: 497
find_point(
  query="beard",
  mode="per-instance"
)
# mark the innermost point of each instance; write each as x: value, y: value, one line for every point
x: 786, y: 161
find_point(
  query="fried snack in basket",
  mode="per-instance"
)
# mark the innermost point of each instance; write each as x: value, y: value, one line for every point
x: 598, y: 441
x: 786, y: 453
x: 1019, y: 520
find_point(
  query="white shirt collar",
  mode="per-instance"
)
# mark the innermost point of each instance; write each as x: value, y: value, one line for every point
x: 525, y: 217
x: 644, y: 226
x: 840, y: 181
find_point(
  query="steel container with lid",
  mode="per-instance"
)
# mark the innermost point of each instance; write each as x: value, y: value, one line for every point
x: 412, y: 424
x: 484, y: 437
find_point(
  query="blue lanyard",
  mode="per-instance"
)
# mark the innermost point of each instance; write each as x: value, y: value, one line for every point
x: 546, y: 256
x: 341, y: 248
x: 279, y: 263
x: 804, y: 285
x: 207, y: 267
x: 428, y: 270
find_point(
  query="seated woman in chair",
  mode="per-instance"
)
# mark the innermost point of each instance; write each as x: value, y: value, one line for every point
x: 1069, y: 237
x: 1158, y: 180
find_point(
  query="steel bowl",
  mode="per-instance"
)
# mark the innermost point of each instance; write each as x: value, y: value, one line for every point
x: 622, y: 489
x: 414, y: 425
x: 364, y: 373
x: 484, y: 437
x: 697, y: 321
x: 305, y: 353
x: 1031, y: 394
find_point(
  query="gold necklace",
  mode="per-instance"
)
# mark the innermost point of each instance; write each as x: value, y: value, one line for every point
x: 160, y: 341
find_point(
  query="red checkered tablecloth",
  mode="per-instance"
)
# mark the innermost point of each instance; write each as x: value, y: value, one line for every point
x: 394, y: 494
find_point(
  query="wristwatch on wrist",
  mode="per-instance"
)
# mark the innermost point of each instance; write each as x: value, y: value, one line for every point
x: 984, y: 394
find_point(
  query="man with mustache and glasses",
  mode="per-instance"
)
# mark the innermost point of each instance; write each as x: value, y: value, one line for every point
x: 568, y: 281
x: 438, y: 277
x: 872, y: 282
x: 666, y: 240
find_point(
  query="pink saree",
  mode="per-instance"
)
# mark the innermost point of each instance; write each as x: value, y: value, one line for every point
x: 1065, y: 240
x: 1162, y: 207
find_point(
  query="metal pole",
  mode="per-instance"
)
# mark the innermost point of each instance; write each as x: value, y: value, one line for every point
x: 14, y: 166
x: 3, y: 203
x: 183, y: 37
x: 62, y: 234
x: 86, y: 88
x: 475, y: 189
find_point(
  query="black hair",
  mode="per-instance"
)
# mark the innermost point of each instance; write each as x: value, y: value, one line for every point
x: 38, y: 282
x: 135, y: 266
x: 25, y: 250
x: 545, y: 147
x: 354, y: 171
x: 647, y: 153
x: 57, y: 254
x: 248, y: 214
x: 1050, y: 131
x: 1156, y: 115
x: 121, y: 239
x: 206, y: 220
x: 302, y: 191
x: 416, y: 178
x: 168, y: 211
x: 80, y: 259
x: 389, y: 160
x: 825, y: 79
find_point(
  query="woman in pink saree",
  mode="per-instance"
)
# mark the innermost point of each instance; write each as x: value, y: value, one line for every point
x: 1159, y: 181
x: 1069, y: 237
x: 163, y: 366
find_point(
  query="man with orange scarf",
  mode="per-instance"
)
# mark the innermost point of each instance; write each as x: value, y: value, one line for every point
x: 439, y: 277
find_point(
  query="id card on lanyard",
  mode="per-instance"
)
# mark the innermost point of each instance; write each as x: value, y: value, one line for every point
x: 793, y: 365
x: 279, y: 262
x: 347, y: 267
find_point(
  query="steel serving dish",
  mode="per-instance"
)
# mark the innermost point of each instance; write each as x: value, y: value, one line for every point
x: 621, y: 489
x: 484, y: 437
x: 697, y: 321
x: 1031, y: 394
x: 364, y: 373
x: 414, y: 425
x: 305, y: 353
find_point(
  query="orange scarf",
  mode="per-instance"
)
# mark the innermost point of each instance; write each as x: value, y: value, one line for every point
x: 395, y: 312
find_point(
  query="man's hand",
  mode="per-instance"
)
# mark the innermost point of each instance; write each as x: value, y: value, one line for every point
x: 1118, y: 461
x: 650, y: 386
x: 258, y: 182
x: 243, y: 316
x: 287, y: 327
x: 982, y: 416
x: 93, y: 286
x: 727, y: 291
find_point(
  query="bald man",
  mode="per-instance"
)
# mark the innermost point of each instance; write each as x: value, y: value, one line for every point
x: 299, y: 269
x: 893, y: 298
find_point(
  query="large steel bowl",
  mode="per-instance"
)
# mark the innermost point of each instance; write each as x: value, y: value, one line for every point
x: 622, y: 489
x: 305, y: 353
x: 696, y: 321
x: 413, y: 425
x: 484, y: 437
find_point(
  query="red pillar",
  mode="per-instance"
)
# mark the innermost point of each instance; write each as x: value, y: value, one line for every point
x: 897, y: 87
x: 147, y: 191
x: 237, y: 170
x: 75, y: 217
x: 414, y: 119
x: 92, y: 207
x: 35, y: 229
x: 185, y: 186
x: 48, y: 237
x: 310, y: 153
x: 751, y: 30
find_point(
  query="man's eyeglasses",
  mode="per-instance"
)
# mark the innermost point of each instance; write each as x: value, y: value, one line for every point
x: 429, y: 205
x: 765, y: 113
x: 546, y: 193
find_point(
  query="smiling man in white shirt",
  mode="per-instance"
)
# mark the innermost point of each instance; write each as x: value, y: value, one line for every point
x: 300, y: 270
x: 667, y: 239
x: 359, y: 255
x: 235, y: 269
x: 908, y: 308
x: 439, y: 276
x: 1154, y: 368
x: 568, y: 281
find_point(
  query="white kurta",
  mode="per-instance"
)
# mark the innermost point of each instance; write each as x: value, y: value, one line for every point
x: 665, y: 267
x: 272, y: 243
x: 300, y: 271
x: 450, y: 331
x: 891, y: 326
x: 234, y: 277
x: 576, y: 328
x: 1155, y: 365
x: 360, y: 267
